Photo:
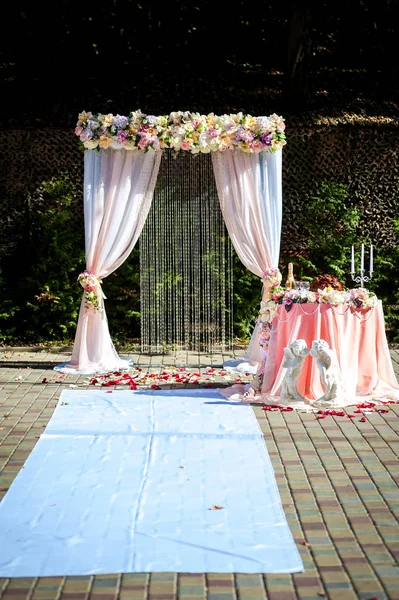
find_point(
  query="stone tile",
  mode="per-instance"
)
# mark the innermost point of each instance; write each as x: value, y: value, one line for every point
x: 338, y: 482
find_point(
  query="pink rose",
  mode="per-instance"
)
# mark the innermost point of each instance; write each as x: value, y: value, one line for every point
x: 256, y: 145
x: 143, y: 143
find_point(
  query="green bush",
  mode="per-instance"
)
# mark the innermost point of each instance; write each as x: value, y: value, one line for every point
x: 385, y: 284
x: 329, y: 226
x: 40, y: 296
x: 123, y: 289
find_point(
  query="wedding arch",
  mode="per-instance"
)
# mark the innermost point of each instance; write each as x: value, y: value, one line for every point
x: 121, y: 164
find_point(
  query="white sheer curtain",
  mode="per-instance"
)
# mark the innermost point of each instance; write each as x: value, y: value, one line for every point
x: 250, y: 193
x: 118, y: 189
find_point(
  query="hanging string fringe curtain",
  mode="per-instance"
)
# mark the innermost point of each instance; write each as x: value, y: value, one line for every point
x: 186, y: 287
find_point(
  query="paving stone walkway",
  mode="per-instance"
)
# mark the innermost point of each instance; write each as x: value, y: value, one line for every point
x: 338, y: 480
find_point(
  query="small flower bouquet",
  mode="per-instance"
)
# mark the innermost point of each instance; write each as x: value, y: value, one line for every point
x: 272, y: 277
x: 92, y: 290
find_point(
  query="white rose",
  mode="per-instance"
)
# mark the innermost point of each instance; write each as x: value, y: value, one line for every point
x: 90, y: 144
x: 177, y: 131
x: 335, y: 297
x: 175, y: 143
x: 117, y: 146
x: 371, y: 301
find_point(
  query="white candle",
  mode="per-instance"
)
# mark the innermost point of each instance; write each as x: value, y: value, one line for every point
x: 362, y: 259
x: 371, y: 259
x: 353, y: 260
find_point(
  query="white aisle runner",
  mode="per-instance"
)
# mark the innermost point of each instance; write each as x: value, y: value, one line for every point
x: 127, y: 482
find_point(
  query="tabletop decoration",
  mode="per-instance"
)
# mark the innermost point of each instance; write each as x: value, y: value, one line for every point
x: 362, y: 278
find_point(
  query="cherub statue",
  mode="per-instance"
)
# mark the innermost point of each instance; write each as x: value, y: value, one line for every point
x: 294, y: 355
x: 327, y: 362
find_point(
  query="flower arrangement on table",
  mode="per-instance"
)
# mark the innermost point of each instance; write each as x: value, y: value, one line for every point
x: 333, y: 294
x: 92, y: 289
x: 357, y: 298
x: 187, y: 131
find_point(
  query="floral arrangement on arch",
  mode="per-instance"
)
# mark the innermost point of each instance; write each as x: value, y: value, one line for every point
x: 187, y: 131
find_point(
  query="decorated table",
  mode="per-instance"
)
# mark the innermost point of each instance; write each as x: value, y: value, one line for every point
x: 321, y: 348
x: 356, y: 335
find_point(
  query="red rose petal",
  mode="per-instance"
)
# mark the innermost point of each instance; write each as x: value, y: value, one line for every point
x: 155, y: 387
x: 44, y: 380
x: 363, y: 419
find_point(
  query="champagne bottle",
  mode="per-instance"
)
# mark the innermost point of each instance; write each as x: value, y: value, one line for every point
x: 290, y: 283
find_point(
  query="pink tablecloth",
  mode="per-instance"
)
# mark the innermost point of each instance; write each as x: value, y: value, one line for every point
x: 358, y: 338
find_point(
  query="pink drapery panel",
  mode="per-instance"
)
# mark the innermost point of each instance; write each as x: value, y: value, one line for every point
x: 250, y: 193
x: 118, y: 190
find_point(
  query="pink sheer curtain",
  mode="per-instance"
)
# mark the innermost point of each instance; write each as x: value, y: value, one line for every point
x: 118, y: 190
x: 250, y: 193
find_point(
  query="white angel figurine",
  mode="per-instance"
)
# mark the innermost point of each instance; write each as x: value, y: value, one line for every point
x: 294, y: 355
x: 327, y: 362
